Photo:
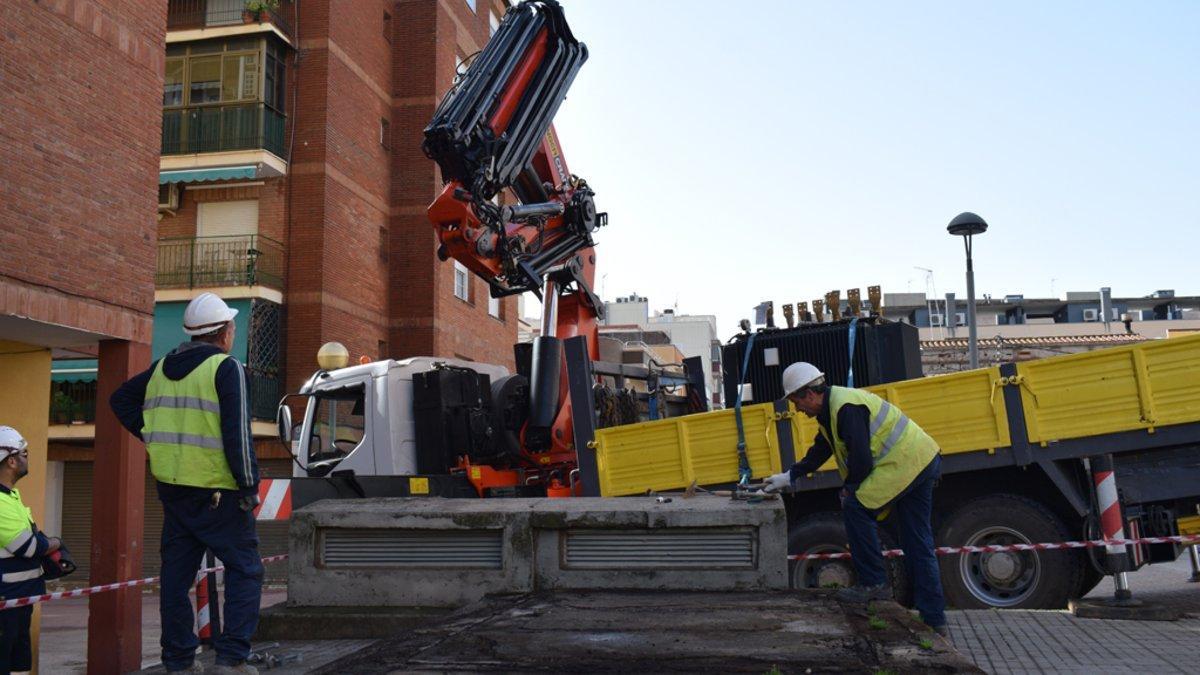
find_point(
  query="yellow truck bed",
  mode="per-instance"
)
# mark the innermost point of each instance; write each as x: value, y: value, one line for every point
x: 1138, y: 387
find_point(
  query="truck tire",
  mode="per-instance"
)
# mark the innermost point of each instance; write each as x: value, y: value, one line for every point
x: 825, y: 533
x: 1017, y: 579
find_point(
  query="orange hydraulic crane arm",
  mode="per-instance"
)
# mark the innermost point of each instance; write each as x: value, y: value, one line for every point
x: 493, y: 133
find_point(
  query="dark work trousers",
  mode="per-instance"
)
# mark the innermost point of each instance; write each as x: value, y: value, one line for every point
x: 190, y: 525
x: 16, y: 652
x: 911, y: 511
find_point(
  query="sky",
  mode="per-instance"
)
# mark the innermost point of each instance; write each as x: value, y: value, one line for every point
x: 777, y: 150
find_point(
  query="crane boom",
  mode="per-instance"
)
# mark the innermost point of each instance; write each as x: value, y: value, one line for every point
x: 492, y: 136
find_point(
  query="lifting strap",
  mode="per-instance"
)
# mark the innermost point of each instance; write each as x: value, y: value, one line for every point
x: 853, y: 332
x: 743, y: 461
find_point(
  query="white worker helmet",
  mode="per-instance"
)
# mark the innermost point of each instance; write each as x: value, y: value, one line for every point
x: 800, y: 375
x: 205, y: 314
x: 11, y: 441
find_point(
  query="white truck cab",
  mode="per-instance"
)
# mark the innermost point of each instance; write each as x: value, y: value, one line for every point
x: 360, y: 418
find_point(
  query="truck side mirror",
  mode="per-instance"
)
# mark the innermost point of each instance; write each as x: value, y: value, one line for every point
x: 283, y: 422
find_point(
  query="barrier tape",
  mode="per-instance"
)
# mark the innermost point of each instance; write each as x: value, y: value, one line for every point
x: 79, y: 592
x: 998, y: 548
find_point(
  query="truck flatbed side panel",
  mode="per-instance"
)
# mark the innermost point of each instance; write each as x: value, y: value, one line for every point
x: 1106, y: 392
x: 1142, y: 386
x: 963, y: 412
x: 669, y: 454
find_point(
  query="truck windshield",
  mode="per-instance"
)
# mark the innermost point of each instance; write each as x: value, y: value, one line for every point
x: 338, y: 425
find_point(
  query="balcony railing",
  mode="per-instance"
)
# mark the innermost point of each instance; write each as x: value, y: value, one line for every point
x: 220, y: 128
x: 75, y: 402
x: 239, y: 260
x: 185, y: 14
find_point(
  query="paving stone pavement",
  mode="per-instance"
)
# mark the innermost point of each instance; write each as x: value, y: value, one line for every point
x: 1045, y: 641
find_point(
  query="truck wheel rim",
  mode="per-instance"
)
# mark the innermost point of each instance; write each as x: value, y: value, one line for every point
x: 1000, y: 579
x: 820, y: 573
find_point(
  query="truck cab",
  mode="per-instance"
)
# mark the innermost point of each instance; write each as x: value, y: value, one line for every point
x: 360, y: 420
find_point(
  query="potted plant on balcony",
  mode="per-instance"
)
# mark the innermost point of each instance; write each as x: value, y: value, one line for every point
x: 62, y: 408
x: 255, y: 8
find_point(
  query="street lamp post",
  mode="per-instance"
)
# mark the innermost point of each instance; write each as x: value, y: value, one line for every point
x: 966, y: 225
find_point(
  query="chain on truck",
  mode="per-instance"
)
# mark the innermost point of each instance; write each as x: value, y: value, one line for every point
x: 1033, y: 452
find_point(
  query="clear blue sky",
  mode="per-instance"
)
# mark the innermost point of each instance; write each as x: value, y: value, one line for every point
x: 748, y: 151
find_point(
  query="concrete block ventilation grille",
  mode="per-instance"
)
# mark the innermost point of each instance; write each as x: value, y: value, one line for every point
x: 434, y: 549
x: 725, y: 549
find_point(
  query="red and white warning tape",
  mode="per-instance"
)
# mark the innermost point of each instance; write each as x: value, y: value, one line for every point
x: 997, y: 548
x: 34, y: 599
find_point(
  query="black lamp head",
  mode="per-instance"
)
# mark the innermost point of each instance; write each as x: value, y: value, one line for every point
x: 966, y: 224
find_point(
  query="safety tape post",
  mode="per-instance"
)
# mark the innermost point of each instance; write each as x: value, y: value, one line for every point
x: 79, y: 592
x: 998, y: 548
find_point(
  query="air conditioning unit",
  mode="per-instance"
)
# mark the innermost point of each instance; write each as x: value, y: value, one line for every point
x: 168, y: 197
x: 960, y: 319
x: 1091, y: 315
x: 936, y: 320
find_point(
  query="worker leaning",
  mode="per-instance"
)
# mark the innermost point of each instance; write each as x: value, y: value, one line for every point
x: 191, y: 408
x: 21, y: 558
x: 887, y: 464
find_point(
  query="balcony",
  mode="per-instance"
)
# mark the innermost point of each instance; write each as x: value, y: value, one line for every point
x: 195, y: 14
x: 223, y: 128
x: 212, y: 262
x: 73, y: 381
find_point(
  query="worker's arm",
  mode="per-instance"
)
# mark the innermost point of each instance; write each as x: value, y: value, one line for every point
x: 818, y: 454
x: 20, y: 538
x: 233, y: 394
x: 853, y: 423
x: 127, y: 401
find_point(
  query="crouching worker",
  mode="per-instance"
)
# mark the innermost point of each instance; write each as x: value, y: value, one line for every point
x: 888, y: 465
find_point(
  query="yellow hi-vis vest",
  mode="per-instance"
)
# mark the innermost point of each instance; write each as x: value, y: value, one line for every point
x: 900, y: 448
x: 182, y: 428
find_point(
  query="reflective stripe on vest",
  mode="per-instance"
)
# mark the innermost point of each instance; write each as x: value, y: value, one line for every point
x: 900, y: 449
x: 183, y: 428
x: 14, y: 577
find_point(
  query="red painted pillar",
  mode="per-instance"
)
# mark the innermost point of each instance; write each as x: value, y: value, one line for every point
x: 118, y: 493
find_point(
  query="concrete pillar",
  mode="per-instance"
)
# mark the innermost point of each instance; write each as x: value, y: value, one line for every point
x: 118, y: 491
x: 25, y: 406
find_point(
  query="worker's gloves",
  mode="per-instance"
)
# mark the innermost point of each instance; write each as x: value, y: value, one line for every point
x: 778, y: 482
x: 248, y: 501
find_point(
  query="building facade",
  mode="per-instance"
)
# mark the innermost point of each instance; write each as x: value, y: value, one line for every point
x: 291, y: 182
x: 78, y: 156
x: 692, y: 334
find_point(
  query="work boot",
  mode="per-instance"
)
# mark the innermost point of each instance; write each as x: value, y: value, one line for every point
x: 242, y: 668
x: 942, y: 630
x: 861, y: 595
x: 194, y: 668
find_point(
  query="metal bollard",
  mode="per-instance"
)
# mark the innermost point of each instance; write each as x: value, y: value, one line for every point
x: 1194, y: 555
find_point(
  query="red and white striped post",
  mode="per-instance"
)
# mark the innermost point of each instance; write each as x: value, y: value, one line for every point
x: 203, y: 622
x: 1112, y: 524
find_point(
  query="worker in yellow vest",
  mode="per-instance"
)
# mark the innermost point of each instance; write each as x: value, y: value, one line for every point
x: 888, y: 464
x: 191, y: 408
x: 22, y: 550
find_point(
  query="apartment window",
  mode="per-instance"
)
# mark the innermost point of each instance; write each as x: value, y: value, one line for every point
x: 384, y: 133
x: 226, y: 72
x: 383, y: 350
x: 493, y: 22
x: 471, y: 4
x: 494, y: 305
x: 387, y: 26
x: 462, y: 282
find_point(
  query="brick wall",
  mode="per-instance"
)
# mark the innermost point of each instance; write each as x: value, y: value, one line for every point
x: 78, y: 157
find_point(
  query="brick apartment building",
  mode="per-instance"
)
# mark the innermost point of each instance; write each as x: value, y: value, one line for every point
x: 78, y: 154
x: 292, y: 184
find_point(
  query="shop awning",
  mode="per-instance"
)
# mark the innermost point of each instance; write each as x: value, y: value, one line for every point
x: 201, y: 175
